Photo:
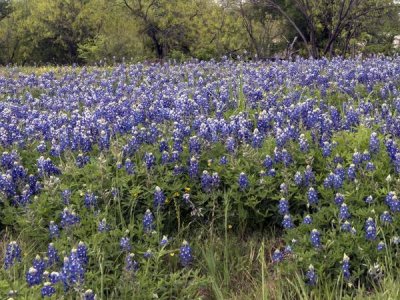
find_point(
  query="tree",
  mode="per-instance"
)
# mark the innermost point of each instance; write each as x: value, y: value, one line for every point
x: 164, y: 22
x: 328, y: 20
x: 5, y: 8
x: 265, y: 30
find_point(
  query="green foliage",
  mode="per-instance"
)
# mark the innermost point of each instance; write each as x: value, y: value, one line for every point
x: 75, y: 31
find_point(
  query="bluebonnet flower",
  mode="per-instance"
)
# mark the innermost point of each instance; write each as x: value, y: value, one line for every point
x: 340, y: 171
x: 149, y: 160
x: 298, y: 178
x: 315, y: 238
x: 339, y: 199
x: 392, y: 201
x: 344, y: 213
x: 185, y: 254
x: 312, y: 196
x: 89, y: 295
x: 243, y: 181
x: 386, y: 218
x: 186, y: 198
x: 307, y: 219
x: 41, y: 148
x: 311, y: 276
x: 148, y: 221
x: 271, y: 173
x: 268, y: 162
x: 69, y: 218
x: 54, y: 230
x: 82, y: 160
x: 288, y: 250
x: 163, y: 146
x: 326, y: 149
x: 33, y: 277
x: 374, y: 144
x: 370, y: 166
x: 370, y: 229
x: 159, y: 198
x: 304, y: 146
x: 46, y: 167
x: 103, y: 226
x: 54, y: 277
x: 175, y: 156
x: 277, y: 155
x: 283, y: 188
x: 351, y: 172
x: 47, y: 290
x: 178, y: 170
x: 39, y: 264
x: 357, y: 158
x: 52, y: 255
x: 164, y: 240
x: 131, y: 265
x: 125, y: 244
x: 346, y: 267
x: 346, y: 226
x: 129, y: 166
x: 381, y: 246
x: 338, y: 159
x: 366, y: 156
x: 277, y: 256
x: 257, y: 139
x: 148, y: 254
x: 333, y: 181
x: 230, y: 145
x: 66, y: 196
x: 90, y: 200
x: 72, y: 272
x: 309, y: 176
x: 193, y: 168
x: 177, y: 145
x: 82, y: 254
x: 223, y: 161
x: 194, y: 145
x: 165, y: 158
x: 283, y: 206
x: 287, y: 222
x: 216, y: 180
x: 286, y: 157
x: 13, y: 254
x: 369, y: 199
x: 206, y: 181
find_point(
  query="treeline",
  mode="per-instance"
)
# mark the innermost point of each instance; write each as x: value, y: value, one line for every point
x: 87, y: 31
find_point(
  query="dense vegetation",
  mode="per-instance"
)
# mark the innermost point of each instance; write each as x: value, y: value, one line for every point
x: 209, y: 180
x: 87, y: 31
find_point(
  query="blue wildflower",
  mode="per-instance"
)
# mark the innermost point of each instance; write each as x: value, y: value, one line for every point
x: 277, y: 256
x: 159, y: 198
x: 13, y: 254
x: 148, y: 221
x: 311, y: 276
x: 315, y: 238
x: 185, y: 254
x: 346, y: 267
x: 243, y: 181
x: 47, y: 290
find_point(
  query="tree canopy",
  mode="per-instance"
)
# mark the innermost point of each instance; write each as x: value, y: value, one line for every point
x: 87, y: 31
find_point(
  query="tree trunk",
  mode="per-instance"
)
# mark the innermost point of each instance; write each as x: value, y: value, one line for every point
x: 313, y: 44
x: 158, y: 47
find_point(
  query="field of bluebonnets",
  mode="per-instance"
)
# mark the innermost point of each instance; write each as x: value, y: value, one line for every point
x: 201, y: 180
